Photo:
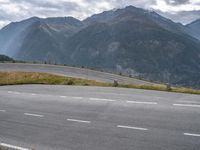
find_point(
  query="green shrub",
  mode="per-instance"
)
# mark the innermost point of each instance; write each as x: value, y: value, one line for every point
x: 70, y: 82
x: 115, y: 83
x: 168, y: 87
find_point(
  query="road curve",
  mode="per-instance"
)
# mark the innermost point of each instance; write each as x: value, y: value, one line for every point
x: 70, y: 72
x: 93, y: 118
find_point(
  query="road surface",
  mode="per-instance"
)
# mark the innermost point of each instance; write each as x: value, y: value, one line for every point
x: 70, y: 72
x: 92, y: 118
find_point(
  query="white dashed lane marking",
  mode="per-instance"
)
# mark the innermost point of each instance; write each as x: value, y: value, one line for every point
x: 63, y: 96
x: 186, y: 105
x: 80, y: 121
x: 77, y: 97
x: 192, y: 134
x: 131, y: 127
x: 13, y: 92
x: 146, y: 103
x: 100, y: 99
x: 188, y: 102
x: 33, y: 115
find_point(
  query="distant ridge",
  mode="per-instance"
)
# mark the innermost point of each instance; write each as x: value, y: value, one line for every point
x: 194, y: 28
x: 5, y: 58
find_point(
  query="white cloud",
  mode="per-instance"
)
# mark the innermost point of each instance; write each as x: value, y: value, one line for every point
x: 163, y: 6
x: 3, y: 23
x: 16, y: 10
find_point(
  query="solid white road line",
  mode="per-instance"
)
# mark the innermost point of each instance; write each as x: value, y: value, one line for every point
x: 191, y: 134
x: 131, y: 127
x: 138, y: 102
x: 186, y: 105
x: 33, y: 115
x: 100, y: 99
x: 2, y: 110
x: 8, y: 146
x: 81, y: 121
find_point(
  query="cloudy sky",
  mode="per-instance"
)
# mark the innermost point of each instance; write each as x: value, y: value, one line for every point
x: 183, y: 11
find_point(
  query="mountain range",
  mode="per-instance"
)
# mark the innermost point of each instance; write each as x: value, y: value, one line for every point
x: 131, y: 41
x: 5, y: 58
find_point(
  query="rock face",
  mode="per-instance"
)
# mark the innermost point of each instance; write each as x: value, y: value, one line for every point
x: 131, y: 41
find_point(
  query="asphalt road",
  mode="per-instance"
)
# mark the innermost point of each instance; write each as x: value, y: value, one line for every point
x: 93, y: 118
x: 70, y: 72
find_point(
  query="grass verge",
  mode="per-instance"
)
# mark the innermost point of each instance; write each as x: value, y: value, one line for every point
x: 17, y: 78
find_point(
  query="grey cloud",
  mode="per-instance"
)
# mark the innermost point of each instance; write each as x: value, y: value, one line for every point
x: 177, y: 2
x: 38, y: 8
x: 49, y: 4
x: 137, y: 3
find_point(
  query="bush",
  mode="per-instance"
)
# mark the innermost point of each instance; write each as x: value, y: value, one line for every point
x: 70, y: 82
x: 168, y: 87
x: 86, y: 84
x: 115, y: 83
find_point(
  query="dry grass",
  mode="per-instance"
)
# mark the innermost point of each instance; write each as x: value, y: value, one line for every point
x: 15, y: 78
